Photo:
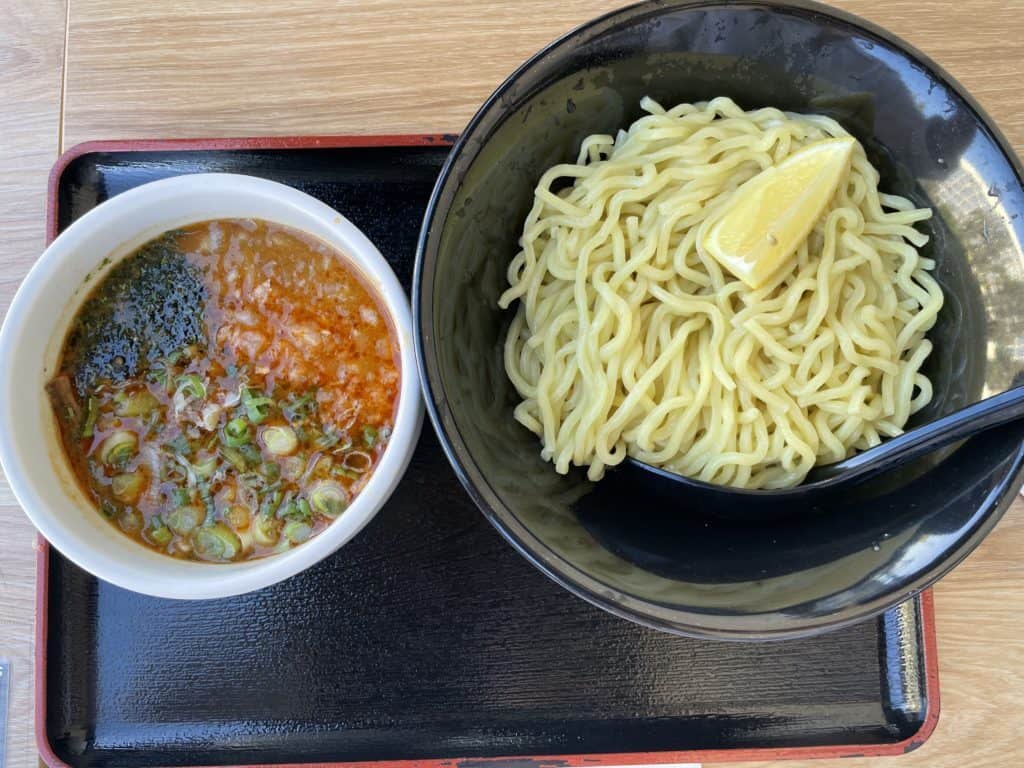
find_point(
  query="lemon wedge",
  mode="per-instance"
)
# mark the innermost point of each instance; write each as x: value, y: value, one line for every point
x: 769, y: 216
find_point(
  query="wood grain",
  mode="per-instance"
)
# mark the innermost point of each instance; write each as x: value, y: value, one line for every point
x: 197, y: 68
x: 31, y: 54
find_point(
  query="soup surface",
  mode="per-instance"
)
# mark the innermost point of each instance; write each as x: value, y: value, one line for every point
x: 227, y: 390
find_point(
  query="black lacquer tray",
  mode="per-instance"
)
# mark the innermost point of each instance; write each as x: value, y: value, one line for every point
x: 427, y: 640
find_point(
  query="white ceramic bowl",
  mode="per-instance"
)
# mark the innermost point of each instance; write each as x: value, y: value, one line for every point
x: 33, y: 334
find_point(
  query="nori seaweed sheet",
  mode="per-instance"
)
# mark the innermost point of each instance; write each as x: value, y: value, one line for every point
x: 148, y: 306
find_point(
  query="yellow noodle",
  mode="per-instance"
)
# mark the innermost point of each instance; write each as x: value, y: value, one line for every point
x: 629, y: 340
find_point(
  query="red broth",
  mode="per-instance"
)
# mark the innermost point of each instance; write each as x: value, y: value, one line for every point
x: 227, y: 390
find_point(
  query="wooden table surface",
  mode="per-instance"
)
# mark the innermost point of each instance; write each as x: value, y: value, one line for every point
x: 77, y: 70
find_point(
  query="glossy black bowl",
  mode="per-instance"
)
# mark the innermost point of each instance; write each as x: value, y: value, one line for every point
x: 648, y: 550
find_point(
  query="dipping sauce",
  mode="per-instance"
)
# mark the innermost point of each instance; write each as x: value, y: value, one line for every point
x: 227, y: 390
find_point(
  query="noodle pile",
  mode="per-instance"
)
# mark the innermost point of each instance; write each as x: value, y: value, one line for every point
x: 628, y: 339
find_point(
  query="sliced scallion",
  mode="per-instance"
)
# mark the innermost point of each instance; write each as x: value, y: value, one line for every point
x: 357, y: 461
x: 140, y: 403
x: 299, y: 407
x: 185, y: 519
x: 328, y: 498
x: 251, y: 454
x: 191, y: 385
x: 266, y: 530
x: 271, y: 503
x: 235, y: 458
x: 295, y: 509
x: 237, y: 433
x: 329, y: 438
x: 297, y: 531
x: 237, y: 516
x: 343, y: 472
x: 92, y: 412
x: 179, y: 446
x: 216, y: 542
x: 158, y: 533
x: 119, y: 448
x: 131, y: 520
x: 257, y: 408
x: 269, y: 471
x: 280, y: 440
x: 127, y: 488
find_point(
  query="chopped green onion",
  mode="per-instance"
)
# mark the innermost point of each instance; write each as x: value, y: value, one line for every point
x: 191, y: 385
x: 370, y: 436
x: 216, y: 542
x: 189, y: 472
x: 328, y: 439
x: 92, y: 411
x: 181, y: 496
x: 269, y: 471
x: 296, y: 531
x: 171, y: 472
x: 131, y: 520
x: 328, y: 498
x: 118, y: 448
x: 128, y: 488
x: 158, y: 533
x: 266, y: 530
x: 280, y: 440
x: 271, y: 503
x: 343, y: 472
x: 299, y: 407
x: 293, y: 467
x: 295, y: 509
x: 251, y: 453
x: 206, y: 495
x: 140, y: 403
x: 158, y: 375
x: 185, y: 519
x: 236, y: 433
x: 235, y: 458
x: 358, y: 461
x: 344, y: 445
x: 179, y: 446
x: 237, y: 516
x: 251, y: 480
x: 257, y: 408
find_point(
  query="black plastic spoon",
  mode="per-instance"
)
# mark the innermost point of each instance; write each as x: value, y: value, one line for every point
x: 992, y: 412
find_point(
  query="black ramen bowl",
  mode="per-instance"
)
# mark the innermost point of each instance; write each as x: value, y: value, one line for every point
x: 652, y: 551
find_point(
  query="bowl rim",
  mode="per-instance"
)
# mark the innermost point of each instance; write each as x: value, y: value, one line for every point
x: 475, y: 482
x: 192, y: 580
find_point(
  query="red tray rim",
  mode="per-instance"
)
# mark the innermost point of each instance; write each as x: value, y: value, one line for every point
x: 49, y: 756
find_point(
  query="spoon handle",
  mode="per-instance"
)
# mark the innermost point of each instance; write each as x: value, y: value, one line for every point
x: 966, y: 422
